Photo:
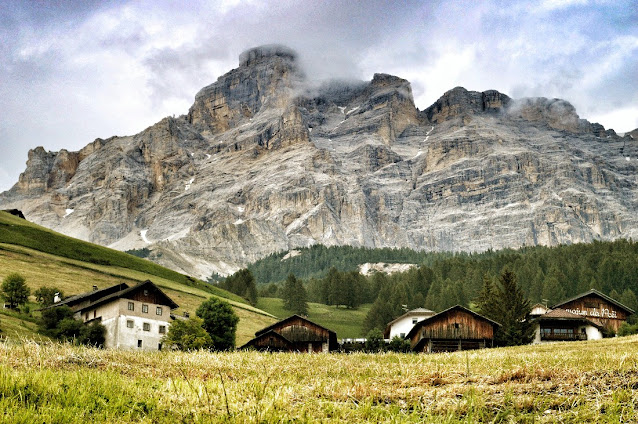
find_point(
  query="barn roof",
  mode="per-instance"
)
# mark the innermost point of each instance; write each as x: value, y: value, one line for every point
x: 269, y: 333
x: 445, y: 312
x: 100, y: 297
x: 595, y: 293
x: 91, y: 296
x: 290, y: 318
x: 563, y: 315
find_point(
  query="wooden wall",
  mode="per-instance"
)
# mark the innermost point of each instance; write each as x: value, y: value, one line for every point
x: 455, y: 325
x: 597, y: 310
x: 298, y: 330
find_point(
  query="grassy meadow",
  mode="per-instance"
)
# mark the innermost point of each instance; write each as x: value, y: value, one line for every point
x: 574, y: 382
x: 347, y: 323
x: 58, y: 264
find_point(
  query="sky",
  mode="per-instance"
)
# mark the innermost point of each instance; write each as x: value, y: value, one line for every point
x: 72, y: 71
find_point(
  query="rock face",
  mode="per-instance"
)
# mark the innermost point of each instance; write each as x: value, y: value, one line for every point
x: 264, y: 162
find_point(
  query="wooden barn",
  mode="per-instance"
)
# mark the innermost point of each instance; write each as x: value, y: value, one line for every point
x: 456, y: 328
x: 294, y: 334
x: 598, y: 308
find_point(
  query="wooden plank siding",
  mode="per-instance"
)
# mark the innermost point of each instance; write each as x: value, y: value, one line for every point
x: 301, y: 334
x: 598, y: 310
x: 457, y: 328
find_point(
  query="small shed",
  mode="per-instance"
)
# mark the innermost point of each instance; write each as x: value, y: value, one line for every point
x: 598, y: 308
x: 456, y: 328
x: 294, y: 334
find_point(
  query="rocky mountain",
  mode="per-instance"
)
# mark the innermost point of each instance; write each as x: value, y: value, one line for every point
x: 266, y: 161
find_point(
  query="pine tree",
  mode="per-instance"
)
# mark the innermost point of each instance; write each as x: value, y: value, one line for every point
x: 14, y: 290
x: 513, y: 310
x: 553, y: 291
x: 506, y: 304
x: 295, y: 296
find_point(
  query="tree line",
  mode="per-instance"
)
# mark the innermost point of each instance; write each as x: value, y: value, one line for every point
x: 545, y: 274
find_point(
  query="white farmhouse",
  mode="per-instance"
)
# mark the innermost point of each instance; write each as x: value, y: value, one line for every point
x: 401, y: 326
x: 135, y: 317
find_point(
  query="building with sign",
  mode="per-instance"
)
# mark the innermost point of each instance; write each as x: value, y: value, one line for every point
x: 588, y: 316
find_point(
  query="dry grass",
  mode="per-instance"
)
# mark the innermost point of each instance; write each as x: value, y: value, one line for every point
x: 567, y: 382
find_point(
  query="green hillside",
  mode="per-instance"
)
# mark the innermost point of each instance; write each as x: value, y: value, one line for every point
x: 347, y: 323
x: 47, y: 258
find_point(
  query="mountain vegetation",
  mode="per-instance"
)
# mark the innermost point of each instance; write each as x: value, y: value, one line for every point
x: 56, y: 269
x: 544, y: 274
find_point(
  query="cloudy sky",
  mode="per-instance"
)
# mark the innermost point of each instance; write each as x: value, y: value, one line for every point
x: 72, y: 71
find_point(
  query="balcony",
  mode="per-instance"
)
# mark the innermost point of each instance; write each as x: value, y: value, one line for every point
x: 563, y: 337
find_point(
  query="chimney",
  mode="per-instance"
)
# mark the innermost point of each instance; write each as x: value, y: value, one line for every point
x: 56, y: 297
x: 94, y: 288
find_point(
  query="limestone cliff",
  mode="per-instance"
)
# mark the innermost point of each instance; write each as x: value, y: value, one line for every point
x: 264, y: 161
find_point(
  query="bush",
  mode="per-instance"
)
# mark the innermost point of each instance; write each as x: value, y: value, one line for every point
x: 374, y: 341
x: 58, y: 322
x: 188, y: 335
x: 220, y: 322
x: 45, y: 295
x: 398, y: 344
x: 627, y: 329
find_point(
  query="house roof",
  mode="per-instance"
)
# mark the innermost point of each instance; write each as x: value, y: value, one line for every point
x: 125, y: 290
x: 290, y: 318
x: 445, y: 312
x: 413, y: 312
x: 563, y: 315
x: 599, y: 294
x: 269, y: 333
x: 91, y: 296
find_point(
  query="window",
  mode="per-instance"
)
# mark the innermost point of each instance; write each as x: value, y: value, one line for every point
x: 145, y: 309
x: 158, y: 310
x: 139, y: 343
x: 95, y: 314
x: 162, y: 329
x: 129, y: 323
x: 86, y: 316
x: 159, y: 346
x: 402, y: 335
x: 131, y: 306
x: 145, y: 292
x: 414, y: 320
x: 146, y: 326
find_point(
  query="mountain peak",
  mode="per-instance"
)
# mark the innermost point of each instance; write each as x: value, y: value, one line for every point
x: 267, y: 51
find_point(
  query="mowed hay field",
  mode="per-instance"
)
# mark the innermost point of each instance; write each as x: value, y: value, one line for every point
x: 563, y: 382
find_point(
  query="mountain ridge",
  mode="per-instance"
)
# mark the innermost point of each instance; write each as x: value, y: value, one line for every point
x: 265, y: 161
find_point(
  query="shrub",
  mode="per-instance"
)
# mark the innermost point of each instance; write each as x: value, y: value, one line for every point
x: 188, y: 335
x: 220, y: 322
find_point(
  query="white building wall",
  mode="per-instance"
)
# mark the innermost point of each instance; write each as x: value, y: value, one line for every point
x: 403, y: 326
x: 593, y: 333
x: 129, y: 338
x: 115, y: 315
